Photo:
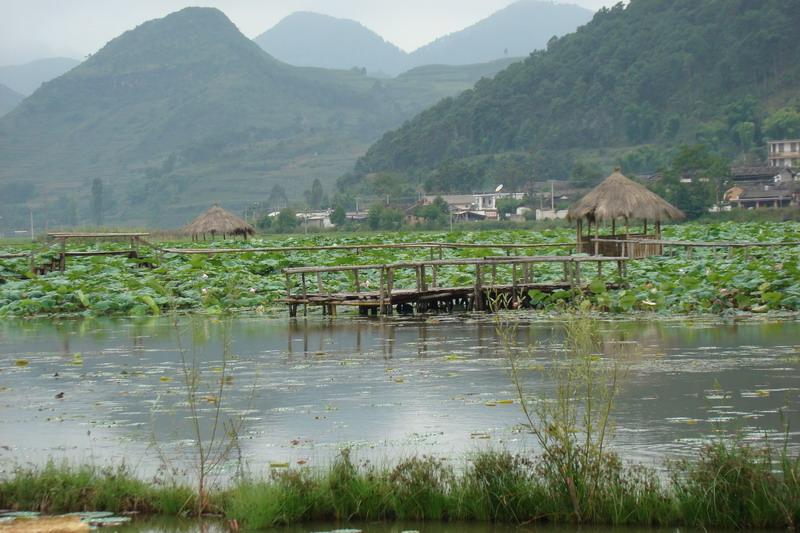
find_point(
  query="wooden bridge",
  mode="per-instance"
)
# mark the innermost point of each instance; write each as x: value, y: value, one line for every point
x: 427, y: 294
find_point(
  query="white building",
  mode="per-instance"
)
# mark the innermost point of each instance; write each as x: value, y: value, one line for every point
x: 784, y: 153
x: 483, y: 204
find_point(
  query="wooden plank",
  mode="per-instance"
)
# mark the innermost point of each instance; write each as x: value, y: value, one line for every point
x: 98, y: 253
x: 69, y: 235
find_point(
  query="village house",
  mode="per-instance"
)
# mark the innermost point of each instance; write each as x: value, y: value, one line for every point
x: 784, y: 153
x: 472, y: 207
x: 756, y: 187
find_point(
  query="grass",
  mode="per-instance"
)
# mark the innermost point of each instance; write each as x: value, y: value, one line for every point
x: 729, y: 485
x: 61, y: 488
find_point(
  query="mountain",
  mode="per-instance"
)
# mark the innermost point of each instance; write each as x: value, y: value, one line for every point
x: 8, y: 99
x: 26, y: 78
x: 184, y: 111
x: 314, y: 40
x: 517, y: 30
x: 625, y: 87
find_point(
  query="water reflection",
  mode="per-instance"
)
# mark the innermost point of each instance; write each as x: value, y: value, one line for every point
x: 388, y: 388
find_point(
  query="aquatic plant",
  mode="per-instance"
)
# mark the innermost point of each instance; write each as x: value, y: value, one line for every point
x: 757, y: 280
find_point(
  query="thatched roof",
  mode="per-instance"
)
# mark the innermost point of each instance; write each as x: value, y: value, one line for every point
x: 619, y: 197
x: 217, y: 221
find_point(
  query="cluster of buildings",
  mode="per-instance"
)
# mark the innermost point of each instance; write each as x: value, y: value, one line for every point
x: 775, y: 185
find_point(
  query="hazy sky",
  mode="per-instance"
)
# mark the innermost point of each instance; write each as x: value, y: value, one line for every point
x: 32, y: 29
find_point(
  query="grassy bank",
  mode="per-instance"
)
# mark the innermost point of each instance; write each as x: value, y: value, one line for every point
x: 726, y: 486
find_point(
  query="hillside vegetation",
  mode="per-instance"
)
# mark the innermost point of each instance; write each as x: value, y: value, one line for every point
x: 657, y: 72
x: 185, y: 111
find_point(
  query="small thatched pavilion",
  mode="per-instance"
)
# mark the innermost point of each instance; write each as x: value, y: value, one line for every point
x: 619, y: 198
x: 217, y: 221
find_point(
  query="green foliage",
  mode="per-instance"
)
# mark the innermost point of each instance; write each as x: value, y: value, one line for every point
x: 208, y: 107
x: 286, y: 221
x: 753, y: 280
x: 436, y: 214
x: 729, y: 486
x: 585, y: 175
x: 380, y: 217
x: 736, y: 486
x: 339, y: 216
x: 659, y: 71
x: 58, y: 488
x: 705, y: 170
x: 277, y: 198
x: 315, y: 195
x: 784, y: 123
x: 264, y: 222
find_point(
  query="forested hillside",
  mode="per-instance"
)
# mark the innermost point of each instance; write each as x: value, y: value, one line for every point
x: 633, y: 81
x: 185, y: 111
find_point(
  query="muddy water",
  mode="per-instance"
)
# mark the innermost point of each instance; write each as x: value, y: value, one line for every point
x: 191, y: 526
x: 106, y: 391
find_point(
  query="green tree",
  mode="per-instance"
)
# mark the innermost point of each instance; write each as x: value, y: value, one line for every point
x: 391, y: 219
x: 339, y: 216
x: 783, y: 124
x: 315, y: 195
x: 286, y: 221
x: 97, y: 201
x: 707, y: 172
x: 745, y: 134
x: 277, y: 198
x: 437, y: 213
x: 264, y: 223
x: 585, y: 175
x: 380, y: 217
x: 508, y: 206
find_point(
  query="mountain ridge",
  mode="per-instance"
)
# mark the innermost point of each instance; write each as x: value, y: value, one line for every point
x: 346, y: 44
x: 312, y: 39
x: 26, y: 78
x: 654, y: 72
x: 9, y: 99
x: 183, y: 111
x: 516, y: 30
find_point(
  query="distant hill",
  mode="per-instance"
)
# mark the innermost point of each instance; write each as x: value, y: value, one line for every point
x: 184, y: 111
x: 634, y: 81
x: 314, y: 40
x: 8, y: 99
x: 515, y: 31
x: 311, y: 39
x: 26, y: 78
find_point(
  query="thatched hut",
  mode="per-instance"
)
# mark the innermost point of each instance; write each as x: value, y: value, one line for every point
x: 618, y: 198
x: 217, y: 221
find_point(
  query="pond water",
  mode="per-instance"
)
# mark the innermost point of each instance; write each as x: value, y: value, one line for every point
x: 191, y: 526
x: 106, y: 391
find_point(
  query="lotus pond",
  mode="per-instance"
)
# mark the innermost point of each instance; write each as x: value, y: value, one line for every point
x: 760, y: 281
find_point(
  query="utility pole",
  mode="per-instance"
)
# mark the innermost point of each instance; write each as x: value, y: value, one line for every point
x: 33, y: 236
x: 552, y: 198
